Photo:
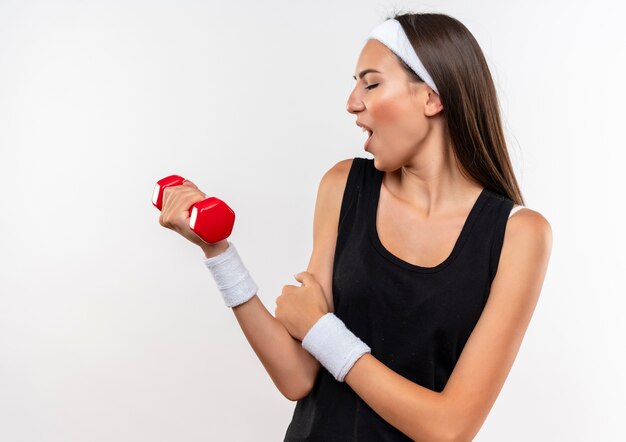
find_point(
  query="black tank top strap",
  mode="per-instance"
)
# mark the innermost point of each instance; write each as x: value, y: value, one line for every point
x: 501, y: 217
x: 353, y: 186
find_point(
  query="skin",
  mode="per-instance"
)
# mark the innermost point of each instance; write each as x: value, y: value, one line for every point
x: 422, y: 185
x: 410, y: 141
x: 175, y: 215
x: 424, y: 202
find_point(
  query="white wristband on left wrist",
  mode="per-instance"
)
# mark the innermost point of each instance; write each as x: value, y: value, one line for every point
x: 334, y: 346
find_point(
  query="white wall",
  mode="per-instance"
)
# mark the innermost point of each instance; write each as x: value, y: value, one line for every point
x: 111, y: 329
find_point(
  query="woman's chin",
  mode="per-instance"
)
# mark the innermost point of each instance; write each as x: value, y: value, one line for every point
x: 378, y: 165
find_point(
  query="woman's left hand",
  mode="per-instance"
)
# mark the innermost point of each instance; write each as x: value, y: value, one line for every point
x: 299, y: 308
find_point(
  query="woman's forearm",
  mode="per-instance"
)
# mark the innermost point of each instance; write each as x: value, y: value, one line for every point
x: 290, y: 366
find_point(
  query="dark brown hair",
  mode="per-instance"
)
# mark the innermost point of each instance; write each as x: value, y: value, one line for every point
x: 455, y: 62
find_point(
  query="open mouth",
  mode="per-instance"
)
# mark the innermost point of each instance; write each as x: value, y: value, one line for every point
x: 369, y: 137
x: 368, y: 131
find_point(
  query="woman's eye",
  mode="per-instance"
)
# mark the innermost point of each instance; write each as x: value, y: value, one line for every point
x: 372, y: 86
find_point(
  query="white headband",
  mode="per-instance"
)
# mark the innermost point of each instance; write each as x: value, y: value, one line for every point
x: 391, y: 34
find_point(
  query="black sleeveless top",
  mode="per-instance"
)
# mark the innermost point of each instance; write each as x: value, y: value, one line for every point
x: 415, y: 319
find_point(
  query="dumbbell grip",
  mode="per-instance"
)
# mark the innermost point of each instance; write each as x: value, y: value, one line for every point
x: 157, y: 194
x: 222, y: 216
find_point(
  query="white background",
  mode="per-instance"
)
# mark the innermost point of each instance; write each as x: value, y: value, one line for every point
x: 111, y: 328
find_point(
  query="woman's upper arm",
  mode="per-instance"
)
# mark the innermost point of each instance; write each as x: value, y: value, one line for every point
x: 325, y: 226
x: 491, y: 349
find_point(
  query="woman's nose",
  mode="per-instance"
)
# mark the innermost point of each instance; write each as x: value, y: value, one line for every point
x: 354, y: 103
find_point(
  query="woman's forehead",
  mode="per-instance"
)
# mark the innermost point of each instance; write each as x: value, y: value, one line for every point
x: 376, y: 56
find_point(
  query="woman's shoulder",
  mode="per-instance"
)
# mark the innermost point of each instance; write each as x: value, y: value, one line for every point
x: 342, y: 168
x: 338, y: 173
x: 334, y: 179
x: 526, y: 221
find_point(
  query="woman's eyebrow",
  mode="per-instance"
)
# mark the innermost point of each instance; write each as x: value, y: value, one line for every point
x: 366, y: 71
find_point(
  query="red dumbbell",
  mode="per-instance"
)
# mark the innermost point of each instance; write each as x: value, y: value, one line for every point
x: 211, y: 219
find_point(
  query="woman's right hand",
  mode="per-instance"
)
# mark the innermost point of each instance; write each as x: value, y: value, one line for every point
x: 177, y: 202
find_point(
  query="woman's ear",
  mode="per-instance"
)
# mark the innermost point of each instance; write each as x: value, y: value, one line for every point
x: 433, y: 104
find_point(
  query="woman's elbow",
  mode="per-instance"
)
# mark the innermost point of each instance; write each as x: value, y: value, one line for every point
x: 298, y: 393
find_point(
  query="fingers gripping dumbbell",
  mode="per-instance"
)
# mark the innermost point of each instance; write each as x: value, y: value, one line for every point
x: 211, y: 219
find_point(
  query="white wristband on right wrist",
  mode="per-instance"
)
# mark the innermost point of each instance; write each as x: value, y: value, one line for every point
x: 231, y: 276
x: 334, y: 346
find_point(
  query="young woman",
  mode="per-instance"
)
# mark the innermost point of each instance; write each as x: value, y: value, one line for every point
x: 426, y: 266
